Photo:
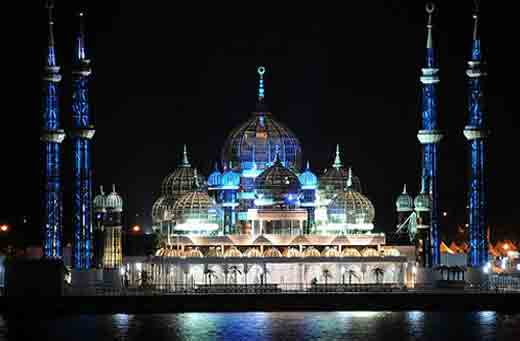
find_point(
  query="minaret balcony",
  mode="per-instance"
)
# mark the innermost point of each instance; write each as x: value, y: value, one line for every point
x: 429, y: 136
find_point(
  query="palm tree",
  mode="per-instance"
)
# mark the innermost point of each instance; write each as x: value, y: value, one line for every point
x: 352, y: 273
x: 210, y: 273
x: 378, y: 272
x: 235, y: 271
x: 326, y: 275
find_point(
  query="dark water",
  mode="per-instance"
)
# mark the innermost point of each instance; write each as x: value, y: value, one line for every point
x: 413, y: 325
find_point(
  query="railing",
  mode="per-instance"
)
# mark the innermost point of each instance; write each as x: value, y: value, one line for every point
x: 204, y: 289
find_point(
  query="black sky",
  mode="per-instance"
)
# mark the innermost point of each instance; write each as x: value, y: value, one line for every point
x: 164, y: 75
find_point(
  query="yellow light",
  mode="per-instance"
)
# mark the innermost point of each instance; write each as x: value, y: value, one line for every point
x: 4, y: 228
x: 136, y: 228
x: 506, y: 246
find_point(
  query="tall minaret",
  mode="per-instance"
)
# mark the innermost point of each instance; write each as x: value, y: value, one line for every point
x: 82, y: 134
x: 476, y: 133
x: 430, y: 136
x: 51, y: 136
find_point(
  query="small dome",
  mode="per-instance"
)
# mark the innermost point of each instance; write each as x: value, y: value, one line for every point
x: 272, y: 252
x: 311, y: 251
x: 114, y: 201
x: 308, y: 179
x: 253, y: 252
x: 195, y: 211
x: 230, y: 178
x: 330, y: 252
x: 422, y: 202
x: 181, y: 180
x: 277, y: 182
x: 99, y: 202
x: 404, y: 202
x: 215, y: 178
x: 233, y: 252
x: 351, y: 209
x: 334, y: 179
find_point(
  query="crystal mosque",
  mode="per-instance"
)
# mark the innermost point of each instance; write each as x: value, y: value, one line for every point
x: 262, y: 215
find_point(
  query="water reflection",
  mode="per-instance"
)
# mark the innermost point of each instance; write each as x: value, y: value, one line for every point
x: 359, y: 325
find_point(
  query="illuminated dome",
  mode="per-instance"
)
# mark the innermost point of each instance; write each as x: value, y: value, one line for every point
x: 215, y: 178
x: 99, y: 202
x: 114, y: 201
x: 422, y: 202
x: 230, y: 178
x: 277, y: 182
x: 351, y: 210
x: 308, y: 179
x: 334, y: 179
x: 404, y: 202
x: 252, y: 145
x: 195, y: 212
x: 182, y: 179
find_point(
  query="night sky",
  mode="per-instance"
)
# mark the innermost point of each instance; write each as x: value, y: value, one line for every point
x: 165, y: 75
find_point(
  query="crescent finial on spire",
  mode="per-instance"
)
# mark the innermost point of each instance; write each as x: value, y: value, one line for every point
x: 476, y: 9
x: 430, y: 8
x: 261, y: 92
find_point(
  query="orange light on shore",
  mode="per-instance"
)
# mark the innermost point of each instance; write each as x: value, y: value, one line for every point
x: 4, y: 228
x: 136, y: 228
x: 506, y: 246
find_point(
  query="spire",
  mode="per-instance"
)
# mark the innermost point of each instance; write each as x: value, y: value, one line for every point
x: 337, y: 159
x: 80, y: 39
x: 51, y: 56
x: 114, y: 188
x: 430, y: 55
x: 82, y: 64
x: 308, y: 167
x: 475, y: 51
x: 185, y: 162
x: 404, y: 189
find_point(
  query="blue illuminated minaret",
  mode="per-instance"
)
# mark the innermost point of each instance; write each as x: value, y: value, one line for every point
x: 476, y: 133
x: 82, y: 134
x: 430, y: 136
x: 51, y: 136
x: 309, y: 183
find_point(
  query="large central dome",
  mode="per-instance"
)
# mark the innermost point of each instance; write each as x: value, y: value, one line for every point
x: 253, y: 144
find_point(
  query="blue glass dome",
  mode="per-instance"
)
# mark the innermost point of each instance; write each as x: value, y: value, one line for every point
x: 230, y: 178
x: 215, y: 178
x: 308, y: 179
x: 404, y: 202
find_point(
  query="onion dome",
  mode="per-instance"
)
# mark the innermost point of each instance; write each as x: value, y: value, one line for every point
x: 230, y: 178
x: 195, y: 211
x: 182, y: 180
x: 114, y: 201
x: 277, y: 182
x: 99, y: 202
x: 308, y: 179
x: 404, y: 202
x: 422, y: 201
x: 159, y: 210
x: 334, y: 179
x: 252, y: 144
x: 215, y: 178
x: 351, y: 209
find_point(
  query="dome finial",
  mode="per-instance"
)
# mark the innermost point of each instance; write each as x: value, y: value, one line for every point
x: 101, y: 190
x: 404, y: 189
x: 337, y: 159
x: 196, y: 178
x: 216, y: 167
x: 277, y: 154
x: 308, y: 165
x: 113, y: 188
x: 430, y: 8
x: 185, y: 161
x: 349, y: 179
x: 261, y: 93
